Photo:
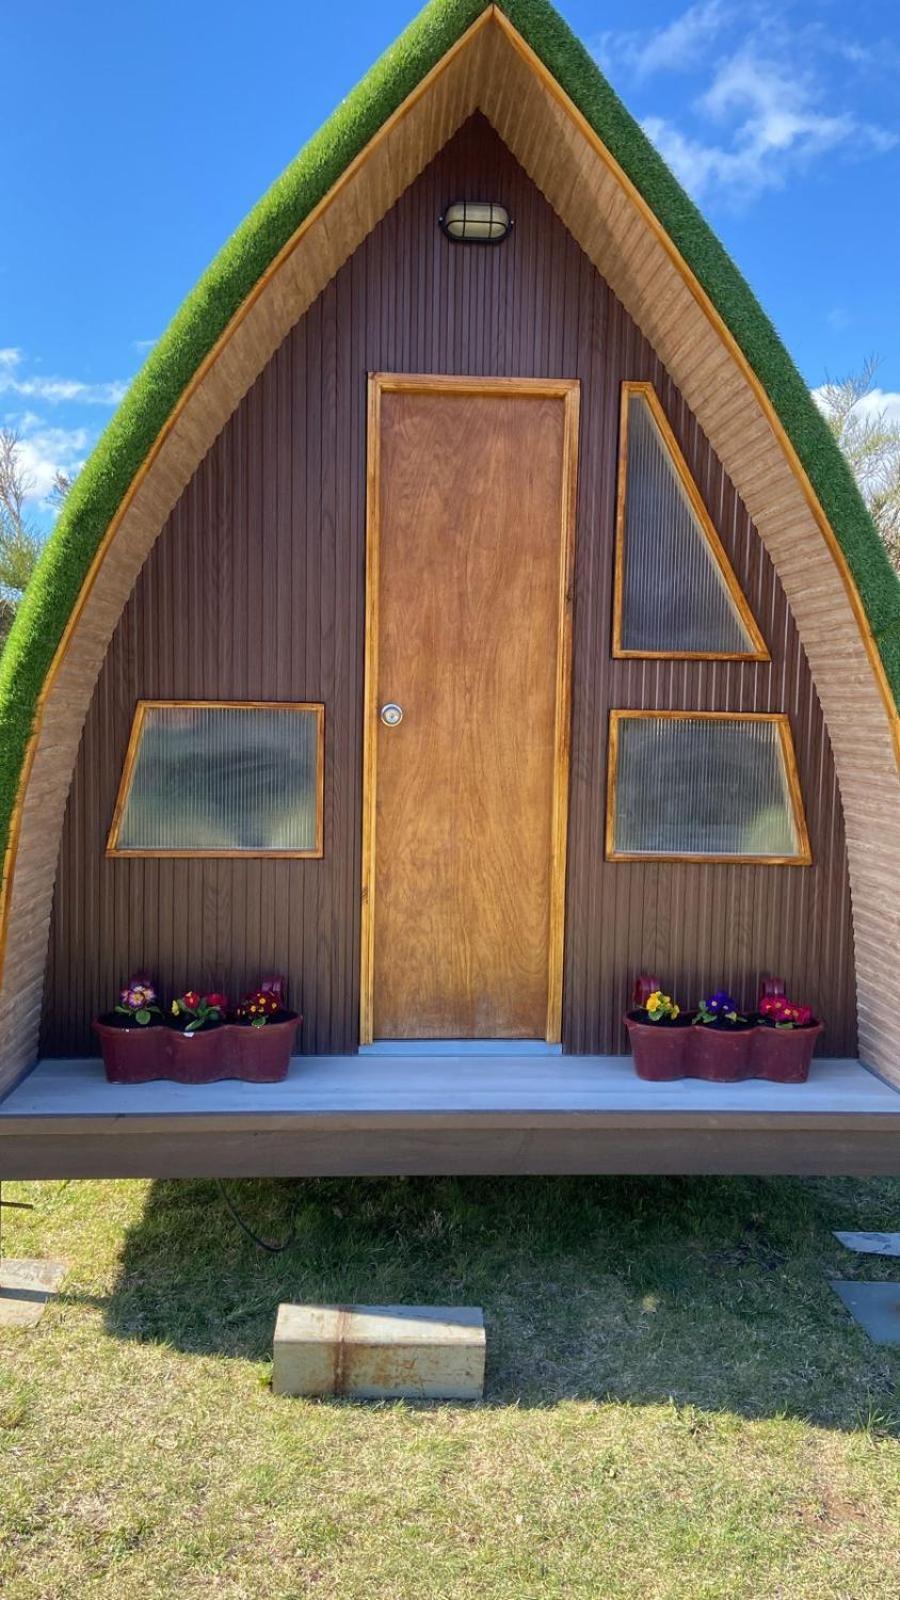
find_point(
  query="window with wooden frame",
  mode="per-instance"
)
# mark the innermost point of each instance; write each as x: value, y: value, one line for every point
x: 676, y: 594
x: 704, y: 786
x: 222, y: 778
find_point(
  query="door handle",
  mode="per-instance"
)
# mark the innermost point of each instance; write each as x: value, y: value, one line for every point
x: 391, y: 714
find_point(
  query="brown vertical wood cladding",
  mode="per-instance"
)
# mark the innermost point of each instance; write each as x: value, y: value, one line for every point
x: 255, y: 590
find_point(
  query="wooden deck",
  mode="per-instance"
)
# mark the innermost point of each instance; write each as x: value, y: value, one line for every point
x: 407, y: 1111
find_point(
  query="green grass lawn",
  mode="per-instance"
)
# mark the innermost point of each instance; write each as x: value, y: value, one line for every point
x: 677, y: 1404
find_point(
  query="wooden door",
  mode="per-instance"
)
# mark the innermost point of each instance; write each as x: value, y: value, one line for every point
x: 469, y: 561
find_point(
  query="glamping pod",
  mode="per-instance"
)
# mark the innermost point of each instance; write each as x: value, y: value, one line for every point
x: 538, y: 639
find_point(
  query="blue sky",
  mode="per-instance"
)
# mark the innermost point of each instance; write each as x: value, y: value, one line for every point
x: 136, y: 138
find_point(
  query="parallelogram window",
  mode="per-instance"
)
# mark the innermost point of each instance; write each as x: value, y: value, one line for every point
x: 704, y: 786
x: 221, y: 778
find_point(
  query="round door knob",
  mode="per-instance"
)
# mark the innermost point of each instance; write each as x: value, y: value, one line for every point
x: 391, y: 714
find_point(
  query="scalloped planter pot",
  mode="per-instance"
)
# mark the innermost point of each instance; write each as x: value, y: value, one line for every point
x: 228, y: 1050
x: 659, y: 1048
x: 132, y: 1055
x: 721, y: 1055
x: 783, y: 1055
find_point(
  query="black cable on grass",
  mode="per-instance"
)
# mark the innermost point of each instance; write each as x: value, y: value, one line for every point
x: 262, y: 1244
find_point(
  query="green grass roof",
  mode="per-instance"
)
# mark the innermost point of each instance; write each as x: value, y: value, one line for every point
x: 103, y: 483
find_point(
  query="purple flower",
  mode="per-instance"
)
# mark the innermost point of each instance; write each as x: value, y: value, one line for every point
x: 720, y: 1003
x: 138, y: 994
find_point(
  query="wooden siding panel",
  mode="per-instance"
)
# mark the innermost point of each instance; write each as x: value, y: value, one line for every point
x: 255, y: 589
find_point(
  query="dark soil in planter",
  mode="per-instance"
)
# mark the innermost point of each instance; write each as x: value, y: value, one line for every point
x: 116, y: 1019
x: 177, y: 1025
x: 803, y: 1027
x: 274, y: 1019
x: 682, y: 1021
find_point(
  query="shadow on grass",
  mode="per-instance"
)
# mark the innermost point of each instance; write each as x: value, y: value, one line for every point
x: 711, y: 1291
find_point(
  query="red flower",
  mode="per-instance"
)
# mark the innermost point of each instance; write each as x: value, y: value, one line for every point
x: 219, y: 1001
x: 191, y: 999
x: 780, y: 1009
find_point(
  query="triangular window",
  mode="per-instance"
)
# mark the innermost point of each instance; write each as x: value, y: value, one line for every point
x: 676, y: 592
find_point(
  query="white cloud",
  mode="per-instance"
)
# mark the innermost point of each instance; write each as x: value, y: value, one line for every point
x: 775, y: 130
x: 47, y: 447
x: 44, y: 451
x: 670, y: 49
x: 881, y: 402
x: 764, y: 114
x: 877, y: 403
x: 57, y: 390
x: 775, y: 127
x: 143, y: 345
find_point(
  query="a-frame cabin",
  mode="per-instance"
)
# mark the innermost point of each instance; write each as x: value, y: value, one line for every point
x: 472, y: 464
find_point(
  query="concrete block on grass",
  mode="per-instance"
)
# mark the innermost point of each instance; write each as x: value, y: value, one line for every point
x: 380, y: 1352
x: 25, y: 1288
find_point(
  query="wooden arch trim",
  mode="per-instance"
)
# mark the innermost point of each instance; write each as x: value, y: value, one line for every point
x: 646, y: 393
x: 493, y: 69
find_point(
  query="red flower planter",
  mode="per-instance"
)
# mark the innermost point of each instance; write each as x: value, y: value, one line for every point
x: 665, y: 1051
x: 211, y: 1054
x: 132, y: 1055
x: 659, y: 1048
x: 261, y: 1055
x: 783, y: 1055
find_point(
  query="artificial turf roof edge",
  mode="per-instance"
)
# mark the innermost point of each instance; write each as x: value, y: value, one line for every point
x: 102, y: 485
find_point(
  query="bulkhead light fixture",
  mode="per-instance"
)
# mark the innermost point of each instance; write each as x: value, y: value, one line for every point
x: 476, y: 222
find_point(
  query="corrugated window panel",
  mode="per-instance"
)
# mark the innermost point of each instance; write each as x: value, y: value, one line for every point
x: 210, y: 778
x: 675, y: 595
x: 699, y: 786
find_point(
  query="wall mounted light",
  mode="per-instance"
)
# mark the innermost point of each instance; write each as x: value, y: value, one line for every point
x: 476, y: 222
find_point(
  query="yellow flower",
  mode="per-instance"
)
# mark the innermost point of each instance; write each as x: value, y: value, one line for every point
x: 676, y: 1011
x: 661, y: 1005
x: 174, y: 1008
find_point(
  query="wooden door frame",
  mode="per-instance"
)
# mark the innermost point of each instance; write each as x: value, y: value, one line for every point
x: 568, y: 390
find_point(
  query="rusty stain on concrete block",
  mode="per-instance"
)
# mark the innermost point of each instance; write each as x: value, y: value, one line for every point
x: 25, y: 1288
x: 380, y: 1352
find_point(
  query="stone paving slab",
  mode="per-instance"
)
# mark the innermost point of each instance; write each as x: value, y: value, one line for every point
x: 871, y: 1244
x: 25, y: 1288
x: 875, y: 1306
